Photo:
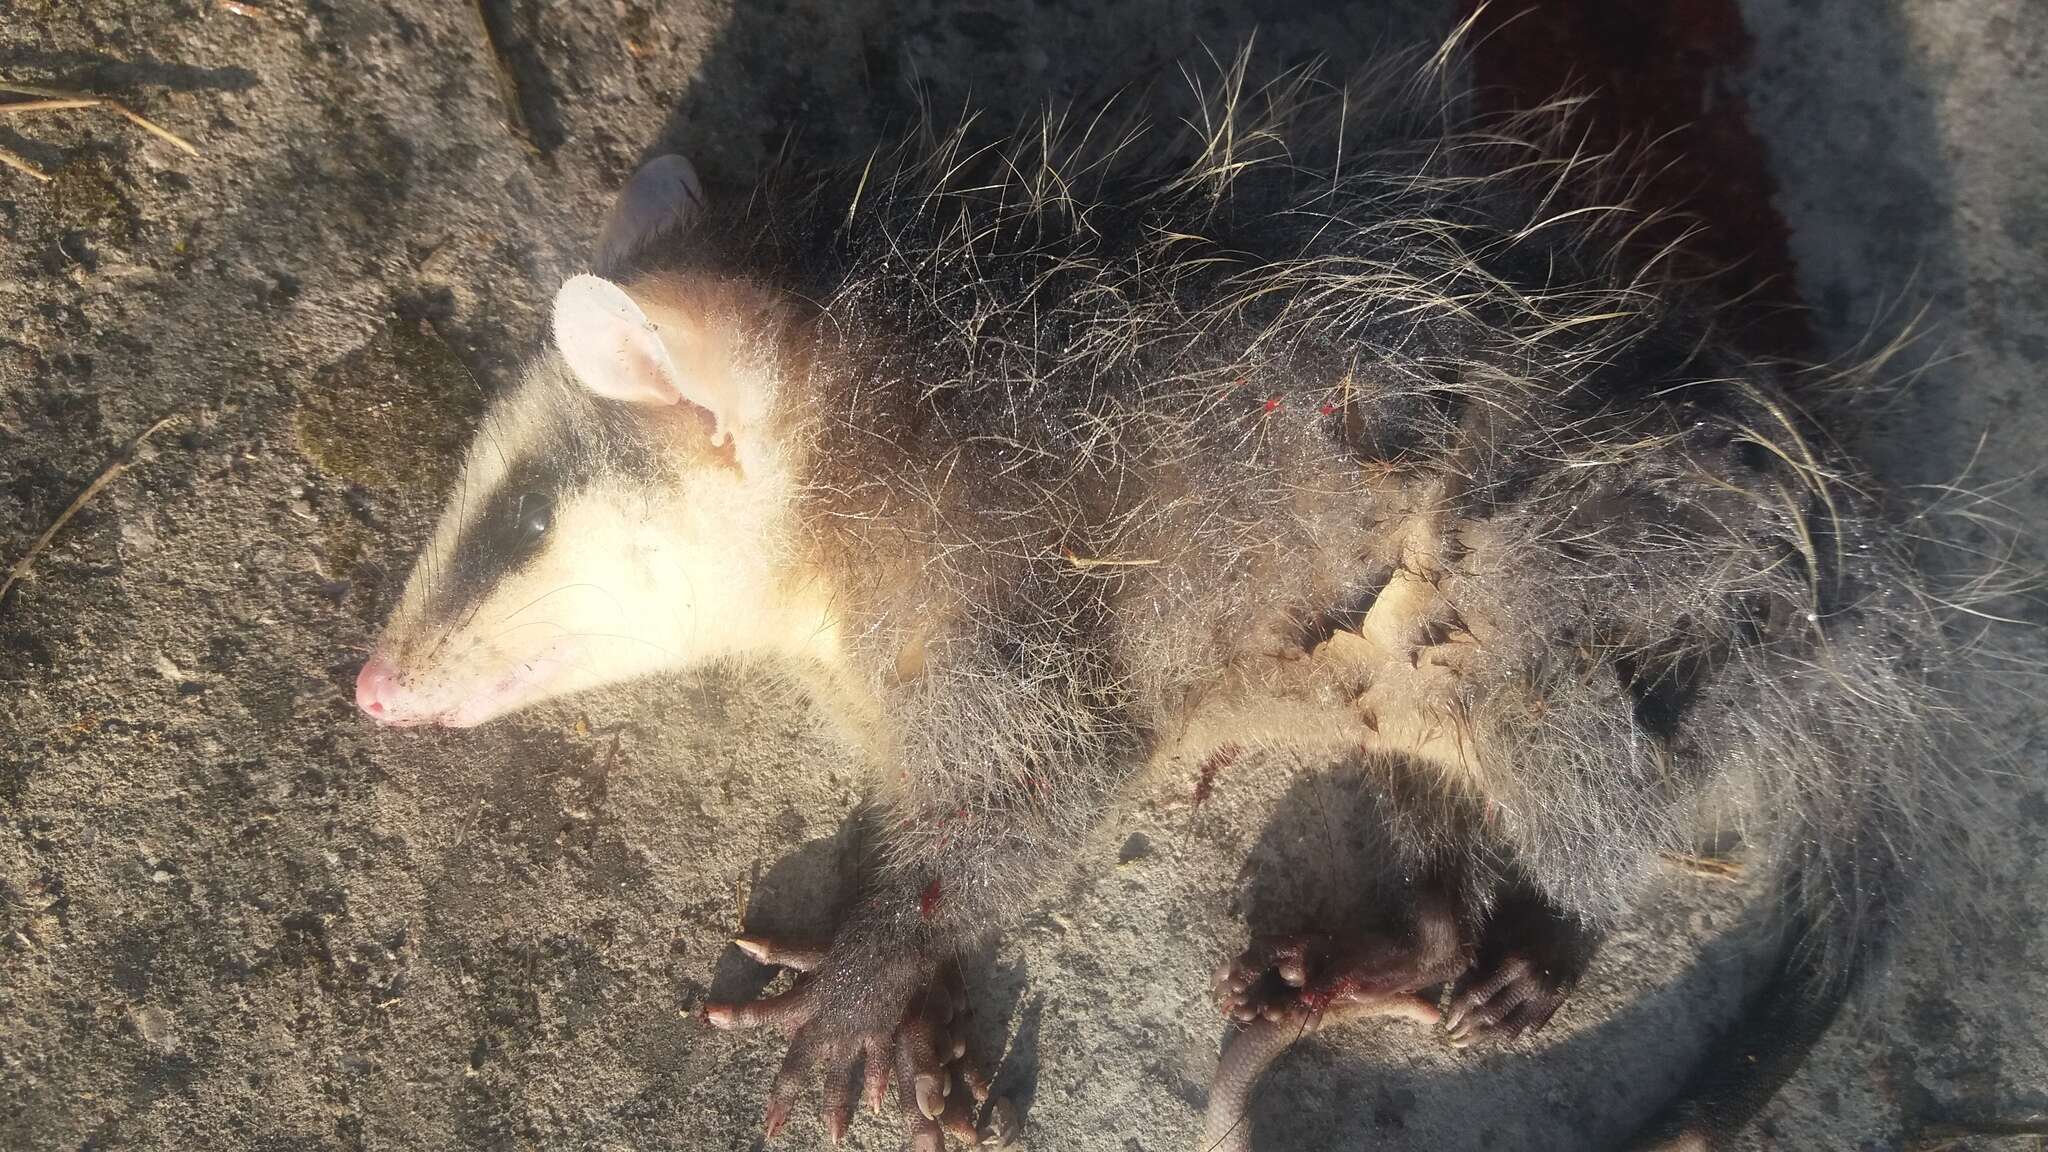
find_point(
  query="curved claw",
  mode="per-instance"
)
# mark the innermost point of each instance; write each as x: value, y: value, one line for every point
x: 940, y: 1085
x: 791, y: 1010
x: 875, y: 1072
x: 789, y: 1080
x: 839, y: 1092
x: 914, y: 1096
x: 959, y: 1119
x: 971, y: 1072
x: 1514, y: 997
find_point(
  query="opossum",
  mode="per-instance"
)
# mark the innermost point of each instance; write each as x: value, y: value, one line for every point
x: 1334, y: 417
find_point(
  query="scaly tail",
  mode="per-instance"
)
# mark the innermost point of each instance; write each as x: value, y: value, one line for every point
x: 1810, y: 978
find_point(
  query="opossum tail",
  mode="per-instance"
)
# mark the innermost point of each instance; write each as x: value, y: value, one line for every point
x: 1819, y: 960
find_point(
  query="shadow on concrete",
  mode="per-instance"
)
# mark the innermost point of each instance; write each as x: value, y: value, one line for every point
x: 1324, y: 863
x: 107, y: 75
x: 769, y: 86
x: 800, y: 897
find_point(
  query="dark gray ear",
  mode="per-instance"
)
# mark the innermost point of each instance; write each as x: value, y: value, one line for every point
x: 661, y: 198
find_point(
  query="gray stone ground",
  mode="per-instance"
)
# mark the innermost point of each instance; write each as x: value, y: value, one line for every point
x: 232, y: 915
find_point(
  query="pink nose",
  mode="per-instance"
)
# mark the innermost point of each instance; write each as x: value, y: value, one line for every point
x: 377, y: 688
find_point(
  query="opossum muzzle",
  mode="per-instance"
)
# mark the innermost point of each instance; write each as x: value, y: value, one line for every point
x: 383, y: 694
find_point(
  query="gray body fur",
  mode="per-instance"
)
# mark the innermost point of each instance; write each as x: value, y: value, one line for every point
x: 1110, y: 441
x: 1685, y: 583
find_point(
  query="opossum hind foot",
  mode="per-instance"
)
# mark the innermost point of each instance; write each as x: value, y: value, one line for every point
x: 1283, y: 978
x: 1285, y: 987
x: 941, y: 1086
x: 1530, y: 957
x: 1502, y: 1002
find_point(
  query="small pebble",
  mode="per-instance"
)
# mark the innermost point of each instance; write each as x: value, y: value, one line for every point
x: 1135, y: 849
x: 156, y: 1027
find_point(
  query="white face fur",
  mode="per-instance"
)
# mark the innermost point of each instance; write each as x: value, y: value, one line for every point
x: 618, y: 514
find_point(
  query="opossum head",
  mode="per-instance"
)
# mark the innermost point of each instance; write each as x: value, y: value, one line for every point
x: 623, y: 511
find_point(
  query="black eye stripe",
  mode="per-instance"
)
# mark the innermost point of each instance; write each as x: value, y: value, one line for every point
x: 579, y: 440
x: 500, y: 540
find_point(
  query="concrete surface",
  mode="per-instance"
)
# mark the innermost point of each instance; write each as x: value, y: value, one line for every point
x: 233, y: 916
x: 1908, y: 143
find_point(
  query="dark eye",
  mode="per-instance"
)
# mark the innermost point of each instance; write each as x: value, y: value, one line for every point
x: 533, y: 516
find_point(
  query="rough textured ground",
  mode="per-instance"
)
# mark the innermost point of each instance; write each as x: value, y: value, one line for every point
x: 232, y: 915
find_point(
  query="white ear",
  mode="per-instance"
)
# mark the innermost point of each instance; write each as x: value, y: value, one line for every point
x: 663, y: 196
x: 610, y: 344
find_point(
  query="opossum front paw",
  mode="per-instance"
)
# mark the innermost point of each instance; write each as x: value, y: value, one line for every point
x: 941, y: 1085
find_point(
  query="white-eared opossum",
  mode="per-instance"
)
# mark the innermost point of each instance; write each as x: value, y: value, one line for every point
x: 1332, y: 416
